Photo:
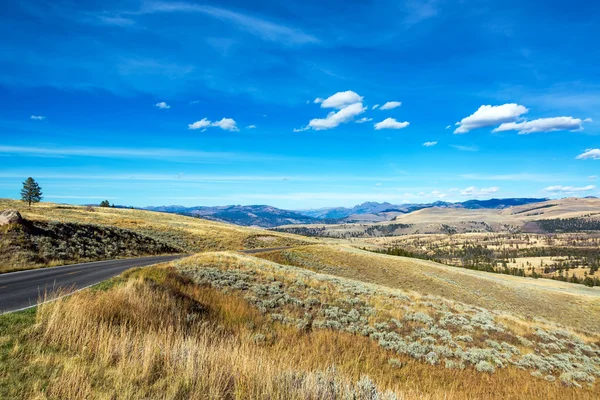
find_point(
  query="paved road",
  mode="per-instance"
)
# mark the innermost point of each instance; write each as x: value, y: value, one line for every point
x: 255, y: 251
x: 23, y: 288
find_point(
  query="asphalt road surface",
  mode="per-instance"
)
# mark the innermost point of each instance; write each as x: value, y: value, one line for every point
x: 22, y: 289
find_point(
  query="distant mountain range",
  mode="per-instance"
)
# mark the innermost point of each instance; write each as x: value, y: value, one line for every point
x: 269, y: 217
x: 259, y: 215
x: 378, y: 208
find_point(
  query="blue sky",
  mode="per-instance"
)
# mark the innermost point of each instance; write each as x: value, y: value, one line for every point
x: 299, y: 104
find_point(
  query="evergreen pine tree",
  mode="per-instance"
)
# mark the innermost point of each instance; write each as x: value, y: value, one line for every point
x: 31, y: 192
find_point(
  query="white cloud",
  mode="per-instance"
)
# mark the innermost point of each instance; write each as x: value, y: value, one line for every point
x: 162, y: 105
x: 490, y: 115
x: 391, y: 123
x: 194, y: 101
x: 301, y: 129
x: 465, y: 148
x: 429, y: 144
x: 375, y: 107
x: 378, y: 184
x: 340, y: 100
x: 391, y: 105
x: 318, y: 100
x: 334, y: 119
x: 227, y: 124
x: 589, y: 154
x: 543, y: 125
x: 449, y: 126
x: 592, y: 177
x: 474, y: 191
x: 363, y: 120
x: 38, y: 117
x: 569, y: 189
x: 251, y: 127
x: 203, y: 123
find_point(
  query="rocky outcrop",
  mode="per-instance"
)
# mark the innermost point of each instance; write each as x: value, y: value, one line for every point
x: 8, y: 217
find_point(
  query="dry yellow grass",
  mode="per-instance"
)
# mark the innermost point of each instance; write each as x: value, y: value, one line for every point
x: 185, y: 233
x: 158, y: 335
x: 573, y: 305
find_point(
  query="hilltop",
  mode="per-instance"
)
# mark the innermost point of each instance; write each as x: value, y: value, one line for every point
x: 54, y: 234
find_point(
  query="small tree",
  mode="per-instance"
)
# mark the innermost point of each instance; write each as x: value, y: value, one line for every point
x: 31, y: 192
x: 104, y: 203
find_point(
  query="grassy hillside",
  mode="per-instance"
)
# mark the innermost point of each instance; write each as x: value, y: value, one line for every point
x: 56, y: 234
x: 38, y: 244
x: 227, y: 326
x: 575, y: 305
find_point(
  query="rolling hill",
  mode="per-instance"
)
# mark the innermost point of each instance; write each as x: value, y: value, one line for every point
x: 433, y: 220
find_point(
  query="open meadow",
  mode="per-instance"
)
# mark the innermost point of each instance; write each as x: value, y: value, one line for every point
x: 229, y: 326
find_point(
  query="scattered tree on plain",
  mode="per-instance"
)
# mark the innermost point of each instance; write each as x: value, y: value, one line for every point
x: 104, y: 203
x: 31, y: 192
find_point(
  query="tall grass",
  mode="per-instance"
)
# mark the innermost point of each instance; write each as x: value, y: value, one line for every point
x: 158, y: 335
x: 142, y: 340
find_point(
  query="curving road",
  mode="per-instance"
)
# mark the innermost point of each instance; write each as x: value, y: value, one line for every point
x: 22, y: 289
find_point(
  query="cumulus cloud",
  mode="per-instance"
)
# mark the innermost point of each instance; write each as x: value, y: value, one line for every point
x: 334, y: 119
x: 543, y: 125
x: 251, y: 127
x: 569, y: 189
x: 429, y: 144
x: 340, y: 100
x: 227, y: 124
x: 390, y: 123
x: 375, y: 107
x: 363, y: 120
x: 391, y: 105
x: 38, y: 117
x: 162, y: 105
x: 589, y: 154
x: 489, y: 116
x: 474, y: 191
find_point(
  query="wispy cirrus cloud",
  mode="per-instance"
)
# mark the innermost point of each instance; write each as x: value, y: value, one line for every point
x: 263, y: 28
x: 512, y: 177
x: 429, y: 144
x: 465, y: 148
x: 180, y: 155
x: 569, y: 189
x: 37, y: 117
